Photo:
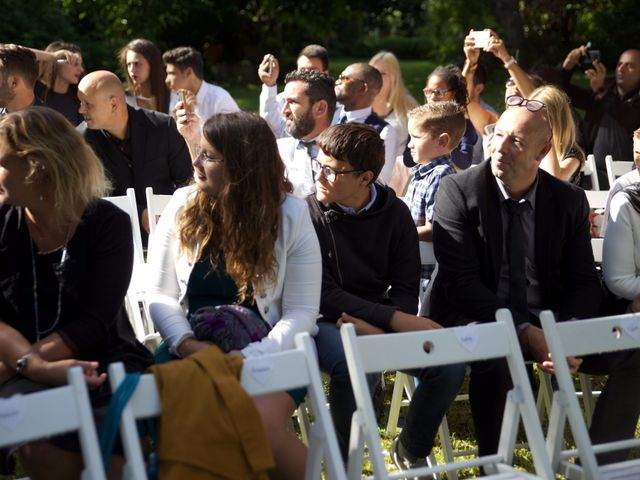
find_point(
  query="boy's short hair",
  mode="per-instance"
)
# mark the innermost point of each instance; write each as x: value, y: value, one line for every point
x: 436, y: 118
x: 316, y: 51
x: 185, y: 57
x: 20, y: 61
x: 356, y: 143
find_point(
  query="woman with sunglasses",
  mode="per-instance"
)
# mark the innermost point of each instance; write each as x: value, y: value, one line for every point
x: 238, y: 237
x: 447, y: 83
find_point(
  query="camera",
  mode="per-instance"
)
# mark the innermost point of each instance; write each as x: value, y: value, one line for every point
x: 586, y: 61
x: 480, y: 38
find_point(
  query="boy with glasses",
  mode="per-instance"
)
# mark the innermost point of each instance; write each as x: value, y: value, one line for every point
x: 371, y: 272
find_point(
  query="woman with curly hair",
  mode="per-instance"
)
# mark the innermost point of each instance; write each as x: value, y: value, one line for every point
x: 447, y: 83
x: 236, y: 237
x: 141, y: 64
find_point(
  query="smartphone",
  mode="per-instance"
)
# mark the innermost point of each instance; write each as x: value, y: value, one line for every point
x: 270, y: 66
x: 587, y: 61
x: 182, y: 95
x: 481, y: 37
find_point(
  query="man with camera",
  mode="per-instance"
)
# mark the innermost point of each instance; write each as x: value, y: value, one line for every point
x: 612, y: 106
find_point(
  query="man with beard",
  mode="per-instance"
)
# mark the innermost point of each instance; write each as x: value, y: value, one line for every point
x: 309, y: 104
x: 18, y: 75
x: 356, y: 88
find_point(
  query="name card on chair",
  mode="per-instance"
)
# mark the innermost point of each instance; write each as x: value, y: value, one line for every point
x: 11, y: 412
x: 468, y: 337
x: 631, y: 326
x: 260, y: 369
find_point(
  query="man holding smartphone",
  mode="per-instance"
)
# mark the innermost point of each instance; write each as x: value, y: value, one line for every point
x: 612, y: 106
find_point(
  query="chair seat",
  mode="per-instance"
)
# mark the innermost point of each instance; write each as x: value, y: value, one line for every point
x: 621, y: 471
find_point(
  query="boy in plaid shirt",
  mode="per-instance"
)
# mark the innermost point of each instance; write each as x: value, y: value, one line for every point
x: 435, y: 129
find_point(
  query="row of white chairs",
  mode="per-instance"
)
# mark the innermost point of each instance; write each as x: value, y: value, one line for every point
x: 67, y: 408
x: 615, y: 169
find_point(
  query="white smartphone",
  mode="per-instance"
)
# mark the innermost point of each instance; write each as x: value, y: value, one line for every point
x: 481, y: 38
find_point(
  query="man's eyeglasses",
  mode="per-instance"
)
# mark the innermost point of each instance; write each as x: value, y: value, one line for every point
x: 329, y: 173
x: 531, y: 105
x: 348, y: 79
x: 436, y: 92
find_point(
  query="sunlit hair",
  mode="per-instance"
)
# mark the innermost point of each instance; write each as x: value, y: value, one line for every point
x: 436, y: 118
x: 17, y: 60
x: 49, y: 70
x: 316, y: 51
x: 399, y: 99
x: 558, y: 111
x: 60, y: 161
x: 242, y: 221
x: 452, y: 76
x: 356, y: 143
x: 636, y: 134
x: 150, y: 52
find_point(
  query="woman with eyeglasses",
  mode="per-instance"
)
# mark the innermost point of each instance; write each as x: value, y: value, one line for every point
x: 447, y: 83
x: 66, y: 258
x: 238, y: 237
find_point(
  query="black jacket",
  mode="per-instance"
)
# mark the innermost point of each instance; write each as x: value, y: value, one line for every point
x: 370, y: 261
x: 467, y: 239
x: 160, y: 157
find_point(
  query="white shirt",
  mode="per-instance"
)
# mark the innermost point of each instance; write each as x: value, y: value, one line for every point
x: 298, y: 166
x: 210, y: 99
x: 621, y: 249
x: 290, y: 304
x: 388, y: 135
x: 621, y: 182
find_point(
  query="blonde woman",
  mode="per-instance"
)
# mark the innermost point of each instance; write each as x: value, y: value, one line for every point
x: 65, y: 264
x: 565, y: 159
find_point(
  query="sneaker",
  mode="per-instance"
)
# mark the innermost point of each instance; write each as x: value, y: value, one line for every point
x: 400, y: 460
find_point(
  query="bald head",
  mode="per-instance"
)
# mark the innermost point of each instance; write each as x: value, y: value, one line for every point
x: 103, y: 82
x: 520, y: 141
x: 102, y: 102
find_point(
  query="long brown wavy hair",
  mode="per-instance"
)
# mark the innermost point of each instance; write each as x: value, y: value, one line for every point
x: 242, y: 220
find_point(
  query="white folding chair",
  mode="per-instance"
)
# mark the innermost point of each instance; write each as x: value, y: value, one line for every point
x: 285, y: 371
x: 617, y: 168
x: 579, y: 338
x: 39, y: 415
x: 592, y: 172
x: 597, y: 198
x: 155, y: 205
x: 141, y: 326
x: 442, y: 347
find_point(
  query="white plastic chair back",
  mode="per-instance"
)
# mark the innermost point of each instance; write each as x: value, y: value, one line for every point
x: 580, y: 338
x: 287, y: 370
x: 34, y: 416
x: 404, y: 351
x: 617, y: 168
x: 156, y: 203
x: 592, y: 172
x: 128, y: 204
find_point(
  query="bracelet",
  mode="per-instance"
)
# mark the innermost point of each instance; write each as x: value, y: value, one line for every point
x: 509, y: 62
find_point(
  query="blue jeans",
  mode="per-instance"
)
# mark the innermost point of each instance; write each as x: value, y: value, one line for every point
x: 437, y: 389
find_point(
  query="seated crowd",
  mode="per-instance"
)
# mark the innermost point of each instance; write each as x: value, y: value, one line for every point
x: 306, y: 217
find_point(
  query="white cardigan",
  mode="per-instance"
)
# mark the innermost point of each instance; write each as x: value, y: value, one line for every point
x: 289, y: 306
x: 621, y: 249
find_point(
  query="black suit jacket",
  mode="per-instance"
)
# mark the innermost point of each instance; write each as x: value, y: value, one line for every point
x: 467, y: 238
x: 160, y: 155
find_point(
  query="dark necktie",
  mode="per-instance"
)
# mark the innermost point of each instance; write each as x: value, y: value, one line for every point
x: 312, y: 150
x: 343, y: 119
x: 516, y: 248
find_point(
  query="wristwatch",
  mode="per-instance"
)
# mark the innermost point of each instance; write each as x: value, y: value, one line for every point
x: 22, y: 362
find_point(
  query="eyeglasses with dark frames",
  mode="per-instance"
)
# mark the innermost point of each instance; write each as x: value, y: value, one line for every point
x: 436, y: 92
x: 531, y: 105
x: 331, y: 174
